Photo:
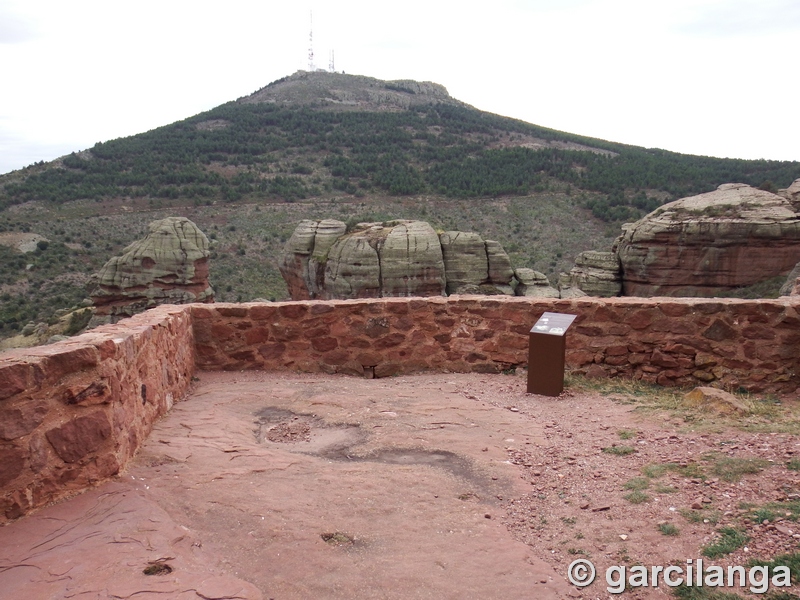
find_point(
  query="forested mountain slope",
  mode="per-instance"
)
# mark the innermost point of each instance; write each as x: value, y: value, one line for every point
x: 350, y: 147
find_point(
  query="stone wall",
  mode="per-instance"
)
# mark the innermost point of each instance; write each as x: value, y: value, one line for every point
x: 750, y: 344
x: 73, y: 413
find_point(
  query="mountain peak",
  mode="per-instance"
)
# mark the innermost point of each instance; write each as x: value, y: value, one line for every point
x: 342, y: 91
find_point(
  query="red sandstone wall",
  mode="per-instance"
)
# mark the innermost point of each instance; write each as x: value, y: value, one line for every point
x: 751, y: 344
x: 73, y: 413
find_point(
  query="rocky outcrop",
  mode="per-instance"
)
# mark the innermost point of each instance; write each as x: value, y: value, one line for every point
x: 704, y: 245
x: 501, y: 272
x: 353, y: 269
x: 303, y: 261
x: 396, y: 258
x: 792, y: 194
x: 534, y: 284
x: 567, y: 289
x: 357, y: 91
x: 464, y: 259
x: 470, y: 263
x: 411, y: 260
x: 168, y: 266
x: 597, y: 274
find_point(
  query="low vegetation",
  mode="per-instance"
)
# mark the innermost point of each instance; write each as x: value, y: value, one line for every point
x: 729, y: 539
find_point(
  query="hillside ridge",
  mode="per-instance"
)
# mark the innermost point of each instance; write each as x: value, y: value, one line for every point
x: 342, y: 91
x: 332, y: 145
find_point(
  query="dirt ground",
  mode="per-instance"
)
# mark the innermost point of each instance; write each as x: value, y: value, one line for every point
x: 288, y: 486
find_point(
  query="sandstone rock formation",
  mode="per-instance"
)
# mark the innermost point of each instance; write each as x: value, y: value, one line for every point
x: 396, y: 258
x: 597, y: 274
x: 411, y: 260
x: 501, y: 272
x: 303, y: 261
x: 534, y: 284
x: 168, y: 266
x: 471, y: 262
x: 567, y: 289
x: 792, y: 194
x: 703, y: 245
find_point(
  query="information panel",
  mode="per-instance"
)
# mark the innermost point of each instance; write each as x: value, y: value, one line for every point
x: 553, y: 323
x: 546, y: 354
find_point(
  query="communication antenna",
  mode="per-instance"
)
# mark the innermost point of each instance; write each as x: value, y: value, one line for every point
x: 330, y: 64
x: 311, y: 41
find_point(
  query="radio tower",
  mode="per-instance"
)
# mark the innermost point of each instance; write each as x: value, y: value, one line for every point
x: 330, y: 64
x: 311, y: 41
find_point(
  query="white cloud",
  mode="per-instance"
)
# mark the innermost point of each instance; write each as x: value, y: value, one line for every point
x: 743, y: 18
x: 15, y: 28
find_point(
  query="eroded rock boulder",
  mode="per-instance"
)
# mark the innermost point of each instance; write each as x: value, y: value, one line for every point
x: 501, y: 273
x: 472, y: 263
x: 567, y: 288
x: 792, y: 194
x: 396, y: 258
x: 168, y: 266
x: 353, y: 269
x: 716, y: 400
x: 465, y: 260
x: 703, y: 245
x: 597, y: 274
x: 411, y: 261
x: 305, y: 254
x: 534, y: 284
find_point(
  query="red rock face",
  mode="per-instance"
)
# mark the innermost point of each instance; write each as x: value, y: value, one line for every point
x: 734, y: 237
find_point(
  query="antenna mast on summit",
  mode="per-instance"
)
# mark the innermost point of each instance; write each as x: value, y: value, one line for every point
x: 311, y: 41
x: 330, y: 64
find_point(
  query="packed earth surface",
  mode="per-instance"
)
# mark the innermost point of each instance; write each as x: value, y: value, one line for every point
x: 295, y: 486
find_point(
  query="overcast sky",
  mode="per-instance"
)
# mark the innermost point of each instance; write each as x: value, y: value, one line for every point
x: 710, y: 77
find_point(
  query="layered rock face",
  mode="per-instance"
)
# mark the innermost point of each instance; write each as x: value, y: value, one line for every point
x: 168, y: 266
x: 411, y: 260
x: 703, y: 245
x: 397, y: 258
x: 473, y: 265
x: 534, y: 284
x: 597, y: 274
x: 792, y: 194
x: 303, y: 261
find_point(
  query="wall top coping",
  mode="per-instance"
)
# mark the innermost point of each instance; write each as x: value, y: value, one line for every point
x: 97, y: 337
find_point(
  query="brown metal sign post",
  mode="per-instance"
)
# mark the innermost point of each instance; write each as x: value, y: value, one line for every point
x: 546, y: 352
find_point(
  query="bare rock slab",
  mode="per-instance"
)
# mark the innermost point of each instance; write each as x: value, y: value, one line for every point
x: 702, y: 245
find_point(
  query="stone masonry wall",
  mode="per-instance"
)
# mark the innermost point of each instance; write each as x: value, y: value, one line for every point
x: 750, y: 344
x: 73, y: 413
